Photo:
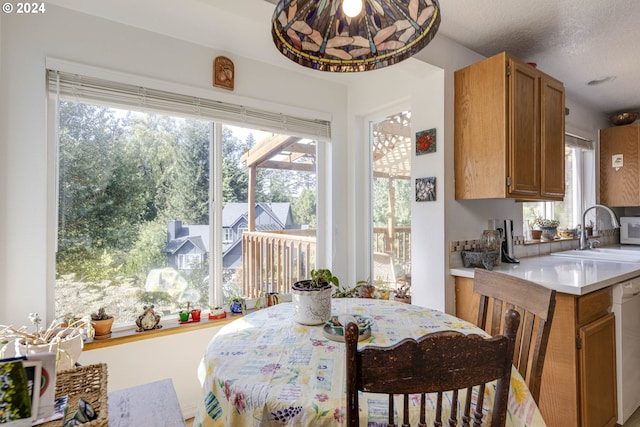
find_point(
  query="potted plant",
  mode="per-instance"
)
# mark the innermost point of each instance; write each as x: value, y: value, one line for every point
x: 195, y: 314
x: 347, y: 292
x: 270, y: 298
x: 312, y: 297
x: 216, y: 312
x: 63, y: 339
x: 236, y: 305
x: 403, y: 293
x: 366, y: 289
x: 382, y: 289
x: 101, y: 322
x: 184, y: 315
x: 549, y: 227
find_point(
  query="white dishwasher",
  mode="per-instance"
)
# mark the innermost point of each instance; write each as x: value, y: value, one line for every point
x: 626, y: 308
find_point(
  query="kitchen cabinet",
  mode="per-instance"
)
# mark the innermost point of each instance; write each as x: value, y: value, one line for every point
x: 620, y: 165
x: 509, y: 131
x: 579, y: 374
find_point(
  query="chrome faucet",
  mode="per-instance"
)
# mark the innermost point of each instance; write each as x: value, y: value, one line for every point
x: 583, y: 232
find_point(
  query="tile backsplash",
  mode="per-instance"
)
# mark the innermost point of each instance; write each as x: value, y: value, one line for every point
x: 524, y: 249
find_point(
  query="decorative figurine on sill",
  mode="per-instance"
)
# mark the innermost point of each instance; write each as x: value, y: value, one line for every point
x: 148, y: 320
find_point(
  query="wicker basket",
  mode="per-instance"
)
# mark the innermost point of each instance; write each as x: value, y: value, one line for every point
x: 89, y: 383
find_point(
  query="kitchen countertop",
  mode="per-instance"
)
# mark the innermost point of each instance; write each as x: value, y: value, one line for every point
x: 569, y: 275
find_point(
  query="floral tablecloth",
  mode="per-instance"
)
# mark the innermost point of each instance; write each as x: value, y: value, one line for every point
x: 266, y: 370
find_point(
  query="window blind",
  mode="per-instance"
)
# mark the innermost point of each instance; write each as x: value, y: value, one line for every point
x: 81, y: 88
x: 576, y: 141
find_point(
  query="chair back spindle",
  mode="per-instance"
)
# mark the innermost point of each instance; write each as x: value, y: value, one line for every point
x: 440, y: 362
x: 536, y: 305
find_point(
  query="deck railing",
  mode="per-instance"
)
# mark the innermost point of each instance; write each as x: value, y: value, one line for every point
x: 273, y: 261
x: 400, y: 246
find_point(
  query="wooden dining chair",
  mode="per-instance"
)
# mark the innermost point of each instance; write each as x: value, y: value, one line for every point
x: 445, y: 361
x: 535, y: 303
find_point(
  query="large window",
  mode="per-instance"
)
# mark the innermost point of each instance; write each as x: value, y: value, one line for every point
x: 136, y: 212
x: 579, y: 187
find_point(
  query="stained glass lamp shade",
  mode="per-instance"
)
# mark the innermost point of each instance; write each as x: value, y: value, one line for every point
x: 317, y: 33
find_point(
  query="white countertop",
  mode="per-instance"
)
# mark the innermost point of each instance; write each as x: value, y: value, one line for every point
x: 569, y: 275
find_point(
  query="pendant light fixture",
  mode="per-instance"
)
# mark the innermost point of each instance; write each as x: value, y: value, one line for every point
x: 352, y: 8
x: 358, y: 35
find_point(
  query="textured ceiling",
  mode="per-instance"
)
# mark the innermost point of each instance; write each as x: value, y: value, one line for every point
x: 575, y: 41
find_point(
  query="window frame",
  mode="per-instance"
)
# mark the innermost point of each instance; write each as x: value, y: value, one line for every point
x: 267, y: 117
x: 583, y: 175
x: 227, y: 235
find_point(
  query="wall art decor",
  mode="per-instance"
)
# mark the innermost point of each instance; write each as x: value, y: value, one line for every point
x: 223, y: 72
x: 426, y: 189
x: 426, y: 141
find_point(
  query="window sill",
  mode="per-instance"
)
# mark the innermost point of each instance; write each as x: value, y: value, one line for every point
x: 170, y: 328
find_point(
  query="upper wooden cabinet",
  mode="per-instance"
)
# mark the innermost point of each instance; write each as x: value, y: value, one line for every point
x: 620, y: 181
x: 509, y: 131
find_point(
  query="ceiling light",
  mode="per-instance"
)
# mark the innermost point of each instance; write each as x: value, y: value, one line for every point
x: 352, y: 8
x: 318, y: 33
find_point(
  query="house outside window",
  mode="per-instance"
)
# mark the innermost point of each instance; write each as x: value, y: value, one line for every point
x: 134, y: 225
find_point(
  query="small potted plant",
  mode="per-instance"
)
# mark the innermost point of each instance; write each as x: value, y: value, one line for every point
x: 236, y: 305
x: 270, y: 298
x: 403, y: 293
x: 216, y: 313
x: 366, y: 289
x: 101, y: 322
x: 63, y: 338
x: 195, y: 314
x: 312, y: 297
x: 549, y: 227
x: 347, y: 292
x: 184, y: 313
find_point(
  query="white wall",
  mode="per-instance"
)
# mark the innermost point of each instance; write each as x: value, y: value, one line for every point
x: 419, y: 87
x: 172, y: 356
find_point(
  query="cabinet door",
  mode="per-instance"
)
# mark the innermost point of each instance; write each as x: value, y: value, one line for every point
x: 598, y: 404
x: 619, y: 187
x: 551, y: 139
x: 467, y: 302
x: 524, y: 119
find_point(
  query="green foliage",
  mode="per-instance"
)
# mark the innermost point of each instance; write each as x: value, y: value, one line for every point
x: 402, y: 207
x: 189, y: 189
x: 304, y: 208
x: 101, y: 315
x: 148, y: 251
x: 544, y: 222
x: 14, y: 393
x: 90, y: 264
x: 235, y: 176
x: 323, y: 275
x: 347, y: 292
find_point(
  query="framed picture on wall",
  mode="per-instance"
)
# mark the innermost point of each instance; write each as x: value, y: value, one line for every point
x: 426, y: 141
x: 426, y: 189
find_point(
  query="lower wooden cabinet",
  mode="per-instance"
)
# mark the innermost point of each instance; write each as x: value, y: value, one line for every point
x: 579, y: 375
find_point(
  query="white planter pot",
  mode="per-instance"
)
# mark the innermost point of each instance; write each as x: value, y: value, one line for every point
x: 311, y: 306
x: 67, y: 351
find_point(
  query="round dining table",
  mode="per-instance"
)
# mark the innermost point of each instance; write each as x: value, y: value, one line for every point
x: 264, y: 369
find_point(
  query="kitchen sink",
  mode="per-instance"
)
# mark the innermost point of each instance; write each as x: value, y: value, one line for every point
x: 602, y: 254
